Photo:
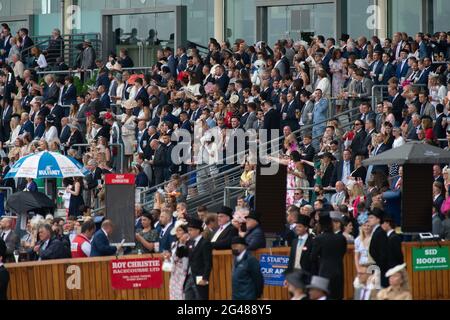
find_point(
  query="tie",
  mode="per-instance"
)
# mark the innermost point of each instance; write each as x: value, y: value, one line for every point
x: 3, y: 236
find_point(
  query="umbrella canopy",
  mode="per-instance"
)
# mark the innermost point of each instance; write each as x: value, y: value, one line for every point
x: 411, y: 153
x: 47, y: 165
x: 24, y: 202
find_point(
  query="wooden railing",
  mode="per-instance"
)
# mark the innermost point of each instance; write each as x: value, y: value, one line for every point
x: 50, y: 280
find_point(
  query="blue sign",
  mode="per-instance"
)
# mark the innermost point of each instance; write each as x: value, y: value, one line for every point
x: 273, y: 268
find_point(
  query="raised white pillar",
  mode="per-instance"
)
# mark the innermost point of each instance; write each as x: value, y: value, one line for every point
x: 382, y: 19
x: 219, y: 20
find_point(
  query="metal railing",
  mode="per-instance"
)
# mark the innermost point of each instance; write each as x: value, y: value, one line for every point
x: 73, y: 72
x: 378, y: 91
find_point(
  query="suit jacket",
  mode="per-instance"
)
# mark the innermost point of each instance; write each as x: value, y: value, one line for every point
x: 422, y: 79
x: 6, y: 120
x: 55, y: 250
x: 367, y: 141
x: 26, y: 44
x: 65, y: 135
x: 166, y: 240
x: 223, y: 242
x: 58, y: 112
x: 4, y: 282
x: 381, y: 149
x: 12, y: 242
x: 305, y: 259
x: 143, y: 95
x: 100, y: 246
x: 272, y: 120
x: 103, y: 80
x: 81, y: 117
x: 27, y: 127
x: 398, y: 104
x: 379, y: 248
x: 327, y: 175
x: 339, y: 170
x: 389, y: 72
x: 88, y: 59
x: 395, y: 253
x: 255, y: 239
x: 105, y: 101
x: 223, y: 82
x: 200, y: 257
x: 358, y: 142
x: 327, y: 260
x: 427, y: 110
x: 182, y: 63
x: 172, y: 64
x: 39, y: 131
x: 377, y: 68
x: 291, y: 117
x: 52, y: 92
x: 401, y: 72
x: 69, y: 95
x: 247, y: 279
x: 439, y: 131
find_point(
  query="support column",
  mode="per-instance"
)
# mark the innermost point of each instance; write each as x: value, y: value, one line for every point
x: 219, y: 21
x: 382, y: 18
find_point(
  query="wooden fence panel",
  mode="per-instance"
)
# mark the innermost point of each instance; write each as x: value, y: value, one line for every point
x: 49, y: 280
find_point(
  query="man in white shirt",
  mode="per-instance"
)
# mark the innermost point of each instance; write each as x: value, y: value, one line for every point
x: 339, y: 197
x: 223, y: 237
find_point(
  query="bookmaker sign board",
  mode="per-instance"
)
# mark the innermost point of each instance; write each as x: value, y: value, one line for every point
x: 273, y: 268
x: 430, y: 259
x: 136, y: 274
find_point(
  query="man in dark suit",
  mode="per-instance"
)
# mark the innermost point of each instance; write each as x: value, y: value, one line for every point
x: 141, y: 93
x: 167, y: 116
x: 327, y: 256
x: 185, y: 123
x: 272, y: 119
x: 226, y: 232
x: 70, y: 92
x: 440, y: 126
x: 199, y: 252
x: 11, y: 239
x: 358, y: 140
x: 221, y: 79
x: 171, y: 61
x: 288, y: 235
x: 27, y: 43
x: 182, y: 59
x: 388, y: 70
x: 57, y: 111
x: 370, y: 128
x: 149, y: 135
x: 402, y: 65
x: 288, y: 114
x: 26, y: 125
x: 49, y: 247
x: 165, y: 228
x: 100, y: 246
x: 379, y: 246
x: 376, y: 68
x: 302, y: 246
x: 247, y: 279
x: 398, y: 104
x: 254, y: 236
x: 7, y: 112
x: 308, y: 152
x: 39, y: 127
x: 395, y: 253
x: 51, y: 92
x: 105, y: 100
x: 65, y: 131
x: 4, y: 275
x: 382, y: 147
x: 159, y: 161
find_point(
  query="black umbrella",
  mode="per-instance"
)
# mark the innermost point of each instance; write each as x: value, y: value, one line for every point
x: 24, y: 202
x: 411, y: 153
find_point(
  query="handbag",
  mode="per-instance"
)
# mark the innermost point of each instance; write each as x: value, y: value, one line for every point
x: 168, y: 266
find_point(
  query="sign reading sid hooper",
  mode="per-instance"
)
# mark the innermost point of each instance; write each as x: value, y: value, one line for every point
x: 430, y: 259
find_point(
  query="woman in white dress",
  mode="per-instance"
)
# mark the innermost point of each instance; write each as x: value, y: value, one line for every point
x: 50, y: 133
x: 362, y: 244
x: 128, y: 122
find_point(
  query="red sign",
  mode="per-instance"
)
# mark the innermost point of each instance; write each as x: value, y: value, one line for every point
x: 136, y: 274
x: 120, y: 179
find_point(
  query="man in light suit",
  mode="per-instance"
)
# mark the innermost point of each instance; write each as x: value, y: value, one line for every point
x: 338, y: 198
x: 88, y: 56
x: 182, y: 59
x: 100, y: 246
x: 81, y: 115
x: 251, y: 119
x: 426, y: 108
x: 320, y: 114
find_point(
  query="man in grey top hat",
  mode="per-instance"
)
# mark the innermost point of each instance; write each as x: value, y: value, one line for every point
x: 318, y: 289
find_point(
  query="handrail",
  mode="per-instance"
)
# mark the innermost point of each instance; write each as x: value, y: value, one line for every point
x: 265, y: 144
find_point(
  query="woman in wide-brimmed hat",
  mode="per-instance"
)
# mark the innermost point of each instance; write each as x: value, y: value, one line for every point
x: 398, y: 285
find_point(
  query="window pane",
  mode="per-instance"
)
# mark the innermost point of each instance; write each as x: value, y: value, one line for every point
x: 357, y: 18
x: 406, y: 16
x: 441, y: 15
x: 240, y: 20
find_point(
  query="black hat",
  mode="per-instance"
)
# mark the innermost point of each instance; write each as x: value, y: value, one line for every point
x: 2, y: 249
x: 226, y: 210
x: 99, y: 122
x: 253, y: 216
x: 324, y: 218
x: 344, y: 37
x: 212, y: 40
x: 299, y: 279
x: 195, y: 223
x: 376, y: 212
x: 239, y: 240
x: 50, y: 118
x: 304, y: 220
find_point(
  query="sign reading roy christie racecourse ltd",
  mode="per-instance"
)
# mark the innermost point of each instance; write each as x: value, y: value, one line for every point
x: 131, y: 274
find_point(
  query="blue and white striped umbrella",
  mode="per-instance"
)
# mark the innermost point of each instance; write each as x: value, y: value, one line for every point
x: 47, y: 165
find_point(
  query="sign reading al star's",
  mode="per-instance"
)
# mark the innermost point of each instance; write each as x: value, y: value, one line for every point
x: 429, y: 259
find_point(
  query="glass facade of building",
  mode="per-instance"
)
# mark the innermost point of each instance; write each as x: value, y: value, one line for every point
x: 240, y: 17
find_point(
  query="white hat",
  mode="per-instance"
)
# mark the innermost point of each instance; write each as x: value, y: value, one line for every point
x: 396, y: 269
x: 362, y: 64
x: 178, y: 224
x: 234, y: 99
